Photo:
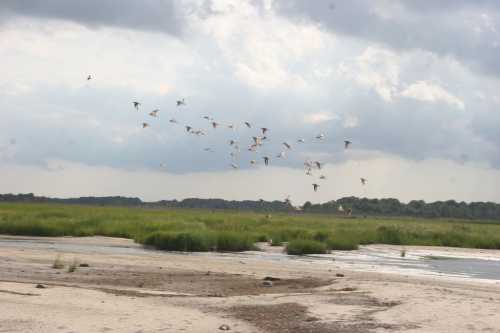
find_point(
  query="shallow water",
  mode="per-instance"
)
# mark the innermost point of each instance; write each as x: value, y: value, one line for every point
x: 373, y: 259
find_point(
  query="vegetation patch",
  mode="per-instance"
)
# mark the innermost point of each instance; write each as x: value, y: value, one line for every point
x: 305, y: 246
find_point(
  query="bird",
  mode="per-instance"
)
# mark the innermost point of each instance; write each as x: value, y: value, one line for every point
x: 199, y: 132
x: 301, y: 141
x: 315, y: 187
x: 173, y: 121
x: 207, y: 118
x: 181, y: 102
x: 281, y: 155
x: 89, y: 77
x: 235, y: 166
x: 322, y: 177
x: 320, y: 136
x: 232, y: 142
x: 257, y: 140
x: 252, y: 148
x: 214, y: 124
x: 230, y: 126
x: 209, y: 149
x: 347, y: 143
x: 248, y: 124
x: 287, y: 145
x: 188, y: 129
x: 253, y: 162
x: 266, y: 160
x: 318, y: 164
x: 264, y: 130
x: 309, y: 172
x: 136, y: 105
x: 363, y: 181
x: 144, y: 125
x: 154, y: 113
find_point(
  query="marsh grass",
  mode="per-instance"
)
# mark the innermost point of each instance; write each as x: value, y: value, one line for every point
x: 207, y: 230
x: 58, y: 263
x: 305, y: 246
x: 73, y: 266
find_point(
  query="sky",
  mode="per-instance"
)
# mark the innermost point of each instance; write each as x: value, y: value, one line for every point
x: 414, y: 85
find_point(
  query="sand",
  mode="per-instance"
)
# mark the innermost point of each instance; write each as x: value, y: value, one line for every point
x: 125, y: 291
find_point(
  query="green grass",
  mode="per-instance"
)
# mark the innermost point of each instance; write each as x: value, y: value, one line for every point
x: 207, y: 230
x: 305, y: 246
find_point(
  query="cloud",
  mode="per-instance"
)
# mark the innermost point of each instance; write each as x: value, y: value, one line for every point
x: 150, y: 15
x: 319, y: 117
x: 425, y: 91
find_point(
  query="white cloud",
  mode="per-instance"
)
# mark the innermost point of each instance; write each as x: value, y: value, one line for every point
x: 319, y: 117
x: 429, y: 92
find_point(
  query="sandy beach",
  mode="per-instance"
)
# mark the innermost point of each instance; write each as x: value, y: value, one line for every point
x: 118, y: 287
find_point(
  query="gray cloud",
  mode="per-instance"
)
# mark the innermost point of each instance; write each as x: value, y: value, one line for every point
x: 467, y: 30
x: 151, y: 15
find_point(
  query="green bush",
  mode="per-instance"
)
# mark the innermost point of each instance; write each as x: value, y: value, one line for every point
x: 233, y: 242
x: 184, y: 241
x: 305, y: 246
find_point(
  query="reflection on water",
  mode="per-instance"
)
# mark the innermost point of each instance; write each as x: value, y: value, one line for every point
x: 365, y: 259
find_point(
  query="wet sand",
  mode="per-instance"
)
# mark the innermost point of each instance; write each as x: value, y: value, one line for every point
x: 123, y: 291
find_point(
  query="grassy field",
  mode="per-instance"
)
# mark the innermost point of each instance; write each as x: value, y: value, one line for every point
x: 203, y: 230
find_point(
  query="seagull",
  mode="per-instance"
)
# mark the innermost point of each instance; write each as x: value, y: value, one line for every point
x: 154, y: 113
x: 281, y: 155
x: 318, y: 164
x: 315, y: 187
x: 252, y: 147
x: 347, y: 143
x: 173, y: 121
x: 230, y: 126
x: 207, y: 118
x: 235, y: 166
x: 301, y: 141
x: 257, y: 140
x: 264, y: 130
x: 322, y: 177
x: 266, y: 160
x: 181, y: 102
x: 232, y: 142
x: 248, y: 124
x: 320, y: 136
x: 214, y: 124
x: 136, y: 105
x: 144, y: 125
x: 253, y: 162
x: 199, y: 132
x: 89, y: 77
x: 287, y: 145
x: 363, y: 181
x: 309, y: 172
x: 308, y: 164
x: 188, y: 129
x: 209, y: 150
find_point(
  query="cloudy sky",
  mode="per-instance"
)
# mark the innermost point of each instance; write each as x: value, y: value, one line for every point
x: 414, y: 85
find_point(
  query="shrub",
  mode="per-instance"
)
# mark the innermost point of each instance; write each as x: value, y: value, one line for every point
x: 185, y: 241
x: 389, y: 235
x: 341, y: 244
x: 305, y: 246
x: 233, y: 242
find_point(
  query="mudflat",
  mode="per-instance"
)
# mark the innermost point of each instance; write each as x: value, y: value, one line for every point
x: 99, y: 284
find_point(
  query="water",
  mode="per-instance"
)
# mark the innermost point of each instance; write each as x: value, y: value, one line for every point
x: 369, y: 258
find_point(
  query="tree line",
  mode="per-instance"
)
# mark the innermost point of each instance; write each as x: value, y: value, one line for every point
x: 358, y: 206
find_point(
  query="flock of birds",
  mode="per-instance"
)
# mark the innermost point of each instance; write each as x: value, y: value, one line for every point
x: 254, y: 144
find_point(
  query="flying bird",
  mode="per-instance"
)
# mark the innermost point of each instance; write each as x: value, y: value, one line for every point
x: 315, y: 187
x: 264, y: 130
x: 363, y: 181
x: 235, y: 166
x: 347, y: 143
x: 207, y: 118
x: 181, y: 102
x: 232, y: 142
x: 154, y: 113
x: 281, y: 155
x: 214, y: 124
x: 136, y: 105
x: 144, y: 125
x: 209, y: 150
x: 173, y: 121
x: 301, y: 141
x: 248, y: 124
x: 230, y: 126
x: 188, y: 129
x: 266, y: 160
x: 89, y: 77
x: 322, y: 177
x: 320, y: 136
x: 287, y: 145
x: 253, y: 162
x: 318, y: 164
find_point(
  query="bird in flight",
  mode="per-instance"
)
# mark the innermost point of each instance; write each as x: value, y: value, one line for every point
x: 315, y: 187
x: 230, y: 126
x: 253, y: 162
x: 347, y: 143
x: 264, y: 130
x: 144, y: 125
x: 173, y: 121
x: 210, y: 150
x: 287, y: 145
x: 181, y: 102
x: 136, y: 105
x: 301, y: 141
x: 214, y: 124
x: 89, y: 77
x: 248, y: 124
x: 207, y: 118
x: 281, y: 155
x: 266, y: 160
x: 235, y: 166
x: 320, y: 136
x: 154, y: 113
x: 318, y: 164
x: 188, y: 129
x: 363, y: 181
x: 322, y: 177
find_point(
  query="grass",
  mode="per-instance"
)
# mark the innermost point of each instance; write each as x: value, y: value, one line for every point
x: 58, y: 263
x: 305, y: 246
x: 207, y: 230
